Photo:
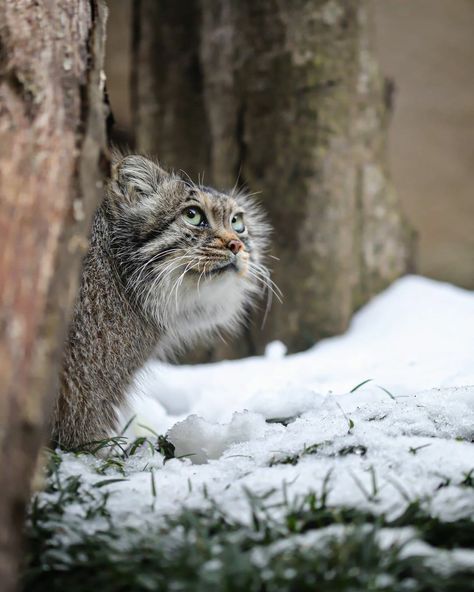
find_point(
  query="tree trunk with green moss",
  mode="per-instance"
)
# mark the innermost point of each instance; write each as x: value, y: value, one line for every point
x: 51, y: 140
x: 287, y: 98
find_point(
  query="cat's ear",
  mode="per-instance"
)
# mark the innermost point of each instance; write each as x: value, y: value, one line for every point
x: 134, y: 177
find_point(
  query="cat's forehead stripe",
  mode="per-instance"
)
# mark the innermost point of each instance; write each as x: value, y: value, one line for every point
x: 218, y: 204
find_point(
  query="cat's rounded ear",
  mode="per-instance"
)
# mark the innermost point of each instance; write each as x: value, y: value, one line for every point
x: 134, y: 177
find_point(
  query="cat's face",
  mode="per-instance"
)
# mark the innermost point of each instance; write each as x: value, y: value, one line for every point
x: 181, y: 244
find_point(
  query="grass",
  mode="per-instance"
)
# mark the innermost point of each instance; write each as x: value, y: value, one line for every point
x: 294, y: 459
x: 302, y: 544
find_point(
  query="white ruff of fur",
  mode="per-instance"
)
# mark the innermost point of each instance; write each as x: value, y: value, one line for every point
x: 191, y: 315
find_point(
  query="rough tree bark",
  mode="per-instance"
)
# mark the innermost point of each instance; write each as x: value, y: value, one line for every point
x: 289, y: 98
x: 51, y: 141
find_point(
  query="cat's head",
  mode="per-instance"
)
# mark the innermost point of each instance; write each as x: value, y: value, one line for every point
x: 181, y: 244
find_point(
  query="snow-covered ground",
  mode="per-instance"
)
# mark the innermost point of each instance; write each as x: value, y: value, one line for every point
x: 376, y: 418
x: 403, y: 433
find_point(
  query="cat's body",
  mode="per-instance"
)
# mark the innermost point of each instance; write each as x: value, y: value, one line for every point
x: 170, y: 264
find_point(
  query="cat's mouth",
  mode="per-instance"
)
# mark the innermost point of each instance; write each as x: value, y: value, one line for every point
x: 237, y: 264
x: 217, y: 266
x: 224, y: 267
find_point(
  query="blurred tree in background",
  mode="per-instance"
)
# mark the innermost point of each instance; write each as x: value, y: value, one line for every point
x: 287, y: 99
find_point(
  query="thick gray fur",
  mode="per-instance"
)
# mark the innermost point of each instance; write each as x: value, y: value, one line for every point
x: 152, y: 284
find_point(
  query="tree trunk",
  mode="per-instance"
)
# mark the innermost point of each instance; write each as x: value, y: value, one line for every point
x: 288, y: 98
x: 51, y: 141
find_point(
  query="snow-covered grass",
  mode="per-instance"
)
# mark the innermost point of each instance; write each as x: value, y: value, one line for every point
x: 350, y: 466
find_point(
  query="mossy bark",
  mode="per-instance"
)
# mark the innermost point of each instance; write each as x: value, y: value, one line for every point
x: 51, y: 140
x: 292, y: 104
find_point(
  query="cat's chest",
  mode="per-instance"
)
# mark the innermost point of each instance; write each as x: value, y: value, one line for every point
x: 198, y: 314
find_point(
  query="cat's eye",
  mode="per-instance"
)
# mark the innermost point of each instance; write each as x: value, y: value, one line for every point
x: 194, y: 216
x: 237, y: 222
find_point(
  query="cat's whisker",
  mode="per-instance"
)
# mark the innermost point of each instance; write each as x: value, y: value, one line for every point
x: 162, y: 277
x: 140, y: 270
x: 233, y: 190
x: 269, y: 297
x: 203, y: 273
x: 191, y: 182
x: 275, y: 289
x: 221, y: 337
x: 136, y: 277
x: 265, y: 276
x: 252, y: 194
x: 199, y: 279
x: 242, y: 194
x: 191, y: 265
x: 182, y: 261
x: 172, y: 266
x: 182, y: 257
x: 162, y: 272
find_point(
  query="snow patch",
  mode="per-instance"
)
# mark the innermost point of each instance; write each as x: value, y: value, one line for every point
x: 202, y: 440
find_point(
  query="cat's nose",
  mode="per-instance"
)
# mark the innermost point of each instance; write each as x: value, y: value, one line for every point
x: 235, y: 246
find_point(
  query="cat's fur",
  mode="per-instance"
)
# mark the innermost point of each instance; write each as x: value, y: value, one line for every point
x: 152, y: 283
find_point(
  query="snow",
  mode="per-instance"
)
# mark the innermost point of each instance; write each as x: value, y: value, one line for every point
x: 405, y: 434
x: 203, y: 440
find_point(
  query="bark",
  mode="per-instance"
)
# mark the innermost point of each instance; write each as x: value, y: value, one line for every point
x: 167, y: 93
x: 296, y: 108
x: 51, y: 142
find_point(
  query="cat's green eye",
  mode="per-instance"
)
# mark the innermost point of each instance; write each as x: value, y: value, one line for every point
x: 194, y: 216
x: 237, y: 222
